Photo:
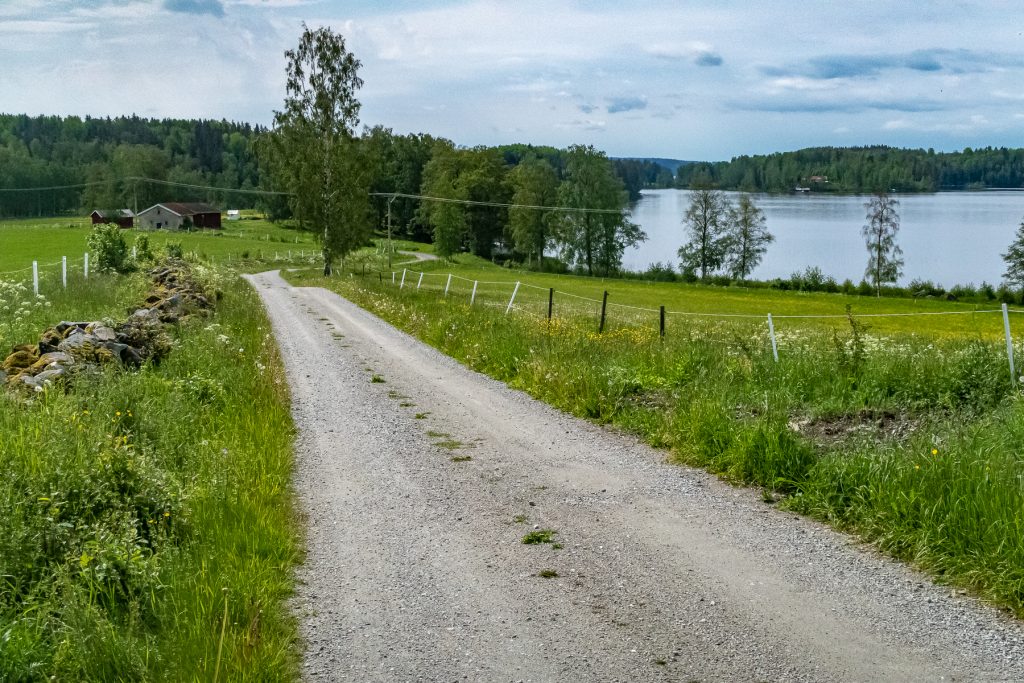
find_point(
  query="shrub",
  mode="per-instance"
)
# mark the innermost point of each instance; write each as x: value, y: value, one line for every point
x: 143, y: 252
x: 108, y: 248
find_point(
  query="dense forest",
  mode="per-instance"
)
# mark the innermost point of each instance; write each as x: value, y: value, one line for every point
x: 52, y: 151
x: 862, y: 169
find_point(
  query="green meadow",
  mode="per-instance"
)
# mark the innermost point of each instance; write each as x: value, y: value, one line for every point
x: 637, y: 302
x: 47, y: 240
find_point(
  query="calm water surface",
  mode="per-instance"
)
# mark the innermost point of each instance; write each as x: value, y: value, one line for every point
x: 947, y: 237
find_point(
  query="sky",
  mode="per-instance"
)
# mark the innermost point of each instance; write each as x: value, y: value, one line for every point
x: 658, y: 78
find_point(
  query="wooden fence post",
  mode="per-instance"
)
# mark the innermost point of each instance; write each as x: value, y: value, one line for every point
x: 771, y: 333
x: 604, y: 308
x: 551, y: 301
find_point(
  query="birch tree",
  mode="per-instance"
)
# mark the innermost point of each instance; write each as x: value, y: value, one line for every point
x: 885, y: 262
x: 313, y: 150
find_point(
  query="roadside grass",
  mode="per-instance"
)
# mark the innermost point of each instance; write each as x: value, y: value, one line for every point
x: 911, y: 441
x: 137, y: 509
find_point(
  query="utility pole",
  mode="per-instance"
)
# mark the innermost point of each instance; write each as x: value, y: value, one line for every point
x: 390, y: 250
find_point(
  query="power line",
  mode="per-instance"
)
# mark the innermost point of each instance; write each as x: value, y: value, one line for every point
x: 154, y: 181
x: 210, y: 188
x: 499, y: 205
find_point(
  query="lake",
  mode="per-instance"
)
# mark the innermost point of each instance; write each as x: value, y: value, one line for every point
x: 947, y: 237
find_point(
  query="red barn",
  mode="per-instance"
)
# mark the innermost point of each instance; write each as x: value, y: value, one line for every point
x: 123, y: 217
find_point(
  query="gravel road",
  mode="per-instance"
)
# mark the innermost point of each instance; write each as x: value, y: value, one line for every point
x: 418, y: 479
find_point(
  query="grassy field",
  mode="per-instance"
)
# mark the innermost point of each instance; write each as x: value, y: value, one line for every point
x: 582, y: 296
x: 146, y: 522
x: 47, y: 240
x: 907, y: 434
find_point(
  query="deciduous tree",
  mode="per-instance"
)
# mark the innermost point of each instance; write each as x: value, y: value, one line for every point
x: 706, y: 223
x: 534, y: 183
x: 444, y: 191
x: 1014, y: 258
x: 748, y: 237
x: 314, y: 151
x: 885, y: 262
x: 597, y: 235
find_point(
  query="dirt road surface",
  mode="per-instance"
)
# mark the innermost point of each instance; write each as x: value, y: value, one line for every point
x: 419, y: 478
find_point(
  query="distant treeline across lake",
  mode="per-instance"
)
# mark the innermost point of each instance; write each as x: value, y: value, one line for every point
x: 947, y: 237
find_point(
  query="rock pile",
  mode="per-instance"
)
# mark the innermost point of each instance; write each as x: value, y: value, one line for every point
x: 70, y: 347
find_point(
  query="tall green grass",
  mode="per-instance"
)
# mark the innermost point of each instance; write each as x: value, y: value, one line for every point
x: 143, y: 514
x: 909, y: 440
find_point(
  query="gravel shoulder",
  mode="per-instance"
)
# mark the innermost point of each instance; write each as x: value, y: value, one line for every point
x: 416, y: 570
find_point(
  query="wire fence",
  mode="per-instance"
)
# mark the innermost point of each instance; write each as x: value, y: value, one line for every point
x: 37, y: 271
x: 526, y: 298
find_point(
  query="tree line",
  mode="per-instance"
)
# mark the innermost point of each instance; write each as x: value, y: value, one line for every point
x: 862, y: 170
x: 53, y: 151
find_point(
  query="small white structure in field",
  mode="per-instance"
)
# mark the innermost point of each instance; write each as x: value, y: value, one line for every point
x: 234, y: 214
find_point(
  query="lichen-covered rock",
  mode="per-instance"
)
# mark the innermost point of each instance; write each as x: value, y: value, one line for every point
x: 21, y: 358
x: 51, y: 358
x: 101, y: 332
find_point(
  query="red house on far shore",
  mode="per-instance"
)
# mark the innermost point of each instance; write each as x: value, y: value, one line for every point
x: 122, y: 217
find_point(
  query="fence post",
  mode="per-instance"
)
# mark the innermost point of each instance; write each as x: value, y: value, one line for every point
x: 512, y: 300
x: 64, y: 271
x: 604, y: 307
x: 472, y: 297
x: 1009, y: 345
x: 392, y: 277
x: 771, y: 333
x: 35, y: 277
x: 86, y: 265
x: 420, y: 281
x: 551, y: 301
x: 402, y: 284
x: 661, y: 322
x: 448, y: 284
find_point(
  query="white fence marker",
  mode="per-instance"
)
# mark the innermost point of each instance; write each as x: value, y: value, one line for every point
x: 1009, y: 345
x: 35, y: 277
x: 403, y: 279
x: 135, y: 253
x: 472, y: 297
x: 64, y: 271
x: 392, y: 277
x: 86, y: 265
x: 771, y: 332
x: 420, y: 281
x: 448, y: 284
x: 512, y: 300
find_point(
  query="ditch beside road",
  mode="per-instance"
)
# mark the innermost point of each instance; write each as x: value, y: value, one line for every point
x: 419, y: 479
